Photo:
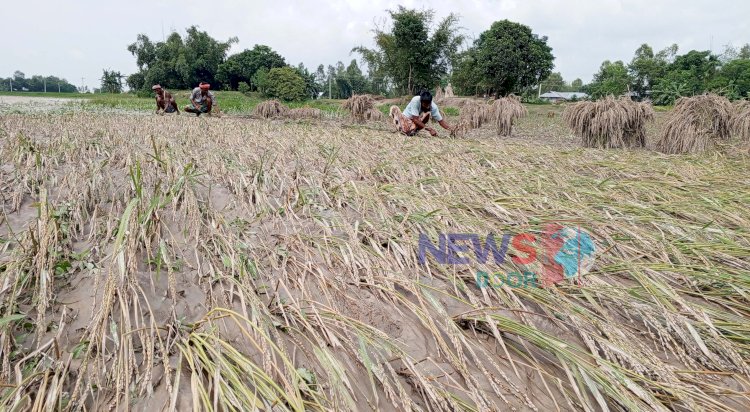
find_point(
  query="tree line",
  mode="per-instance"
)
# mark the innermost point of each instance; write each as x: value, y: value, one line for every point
x: 37, y: 83
x: 414, y: 52
x: 666, y: 75
x: 409, y: 55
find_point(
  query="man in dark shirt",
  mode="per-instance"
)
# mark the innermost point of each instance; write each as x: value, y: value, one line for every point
x: 165, y: 103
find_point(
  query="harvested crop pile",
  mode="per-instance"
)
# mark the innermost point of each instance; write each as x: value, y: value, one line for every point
x: 505, y: 111
x: 259, y: 266
x: 360, y: 106
x: 740, y: 123
x: 696, y: 124
x: 304, y: 113
x: 610, y: 122
x: 476, y: 113
x: 270, y: 108
x: 374, y: 115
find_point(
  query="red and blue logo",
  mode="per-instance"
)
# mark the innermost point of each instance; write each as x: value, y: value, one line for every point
x: 558, y: 253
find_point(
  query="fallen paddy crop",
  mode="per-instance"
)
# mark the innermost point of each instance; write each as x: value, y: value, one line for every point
x: 234, y: 264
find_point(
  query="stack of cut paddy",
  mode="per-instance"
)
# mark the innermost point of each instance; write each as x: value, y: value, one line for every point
x: 740, y: 123
x: 505, y: 111
x: 374, y: 115
x: 610, y: 122
x: 476, y: 114
x: 361, y: 106
x: 460, y: 128
x: 305, y: 113
x: 270, y: 108
x: 697, y: 123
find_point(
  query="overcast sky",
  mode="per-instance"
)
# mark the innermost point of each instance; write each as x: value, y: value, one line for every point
x: 78, y: 38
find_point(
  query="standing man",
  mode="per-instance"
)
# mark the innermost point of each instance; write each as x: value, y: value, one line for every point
x: 201, y: 100
x: 165, y: 103
x: 416, y: 115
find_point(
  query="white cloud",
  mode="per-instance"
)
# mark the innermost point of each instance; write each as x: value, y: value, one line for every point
x: 79, y: 39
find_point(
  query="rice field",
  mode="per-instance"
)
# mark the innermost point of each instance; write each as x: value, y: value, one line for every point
x: 182, y: 263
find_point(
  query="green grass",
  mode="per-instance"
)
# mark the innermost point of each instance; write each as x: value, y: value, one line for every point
x: 230, y: 102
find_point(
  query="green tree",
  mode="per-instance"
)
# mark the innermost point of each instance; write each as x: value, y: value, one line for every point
x: 612, y: 79
x: 576, y: 85
x: 111, y: 81
x: 554, y: 82
x: 694, y: 71
x: 733, y: 79
x: 408, y: 54
x: 506, y: 58
x: 285, y: 83
x: 311, y: 86
x: 466, y: 79
x: 178, y: 63
x: 36, y: 83
x: 668, y: 91
x: 647, y: 69
x: 259, y: 80
x: 242, y: 66
x: 744, y: 52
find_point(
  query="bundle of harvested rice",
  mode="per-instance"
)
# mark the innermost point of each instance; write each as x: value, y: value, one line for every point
x: 505, y: 111
x: 270, y: 108
x: 304, y: 113
x: 697, y: 123
x: 460, y: 128
x: 359, y: 105
x: 476, y: 113
x: 610, y: 122
x: 740, y: 123
x: 374, y: 115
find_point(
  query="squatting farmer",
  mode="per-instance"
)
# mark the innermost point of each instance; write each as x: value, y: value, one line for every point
x: 201, y: 100
x: 417, y: 113
x: 165, y: 103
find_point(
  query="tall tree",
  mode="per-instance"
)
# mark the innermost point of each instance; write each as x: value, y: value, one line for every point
x: 612, y: 79
x: 285, y: 83
x: 408, y: 54
x: 695, y: 70
x: 312, y: 88
x: 646, y: 69
x: 733, y: 79
x: 111, y: 81
x: 178, y: 63
x: 506, y: 58
x: 554, y: 82
x: 242, y: 66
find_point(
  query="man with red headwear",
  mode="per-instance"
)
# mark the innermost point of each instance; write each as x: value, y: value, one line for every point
x: 201, y: 100
x: 165, y: 102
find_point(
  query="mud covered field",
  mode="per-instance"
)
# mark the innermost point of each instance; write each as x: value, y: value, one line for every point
x: 180, y: 263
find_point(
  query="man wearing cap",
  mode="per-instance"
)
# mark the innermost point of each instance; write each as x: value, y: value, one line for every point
x: 201, y: 100
x: 416, y: 115
x: 165, y: 103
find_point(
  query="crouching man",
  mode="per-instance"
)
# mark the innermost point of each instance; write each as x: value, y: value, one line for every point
x: 417, y: 113
x: 201, y: 100
x: 165, y: 103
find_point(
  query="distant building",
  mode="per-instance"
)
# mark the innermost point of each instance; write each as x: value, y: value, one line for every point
x: 556, y: 97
